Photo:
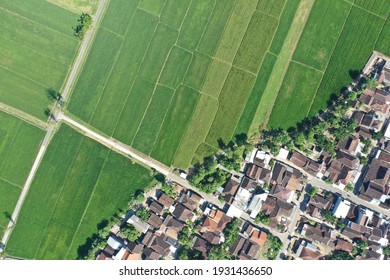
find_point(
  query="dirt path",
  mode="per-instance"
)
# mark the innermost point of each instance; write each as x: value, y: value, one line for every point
x: 23, y: 116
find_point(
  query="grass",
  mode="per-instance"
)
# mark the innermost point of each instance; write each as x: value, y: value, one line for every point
x: 174, y: 11
x: 295, y: 96
x: 152, y: 6
x: 235, y: 30
x: 19, y: 143
x: 197, y: 70
x: 78, y: 6
x: 382, y: 44
x: 74, y: 175
x: 196, y: 133
x: 256, y: 42
x: 159, y: 48
x: 133, y: 110
x: 280, y: 68
x: 116, y: 21
x: 231, y: 105
x: 154, y: 116
x: 92, y: 79
x: 319, y: 38
x: 355, y: 45
x: 216, y: 77
x: 123, y: 73
x: 195, y: 23
x: 216, y: 26
x: 257, y: 92
x: 37, y: 48
x: 379, y: 7
x: 175, y: 124
x: 273, y: 8
x: 285, y: 22
x: 175, y: 68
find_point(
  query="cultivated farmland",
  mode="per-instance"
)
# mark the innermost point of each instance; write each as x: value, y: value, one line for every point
x: 78, y: 184
x: 19, y: 143
x: 36, y: 50
x: 167, y: 77
x: 337, y: 40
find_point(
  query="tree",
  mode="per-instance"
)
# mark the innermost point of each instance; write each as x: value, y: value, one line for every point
x: 274, y: 247
x: 339, y: 255
x: 312, y: 192
x: 84, y: 24
x: 348, y: 187
x: 143, y: 214
x: 376, y: 135
x: 386, y: 251
x: 328, y: 217
x: 131, y: 232
x: 219, y: 253
x: 262, y: 218
x: 363, y: 160
x: 168, y: 190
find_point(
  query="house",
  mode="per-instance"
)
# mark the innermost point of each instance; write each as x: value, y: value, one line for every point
x: 156, y: 207
x: 377, y: 99
x: 191, y: 200
x: 341, y: 208
x: 212, y: 237
x: 279, y: 212
x: 371, y: 255
x: 286, y: 177
x: 156, y: 243
x: 310, y: 166
x: 182, y: 213
x: 165, y: 200
x: 215, y: 222
x: 316, y: 205
x: 138, y: 223
x: 106, y: 254
x: 244, y: 249
x: 134, y: 251
x: 342, y: 169
x: 149, y: 254
x: 259, y: 237
x: 171, y: 227
x: 386, y: 73
x: 254, y: 206
x: 365, y: 120
x: 349, y: 145
x: 155, y: 221
x: 319, y: 233
x: 240, y: 203
x: 230, y: 190
x: 201, y: 245
x: 115, y: 242
x: 258, y: 173
x: 307, y: 251
x: 375, y: 187
x: 248, y: 184
x: 341, y: 244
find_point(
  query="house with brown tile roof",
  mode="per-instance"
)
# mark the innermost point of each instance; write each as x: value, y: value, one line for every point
x: 157, y: 244
x: 341, y: 244
x: 190, y: 199
x: 309, y: 165
x: 316, y: 205
x: 171, y: 227
x: 307, y: 251
x: 258, y: 173
x: 279, y: 211
x: 230, y: 190
x: 155, y: 221
x: 319, y: 233
x: 182, y: 213
x: 156, y: 207
x: 350, y: 144
x: 211, y: 237
x: 244, y: 249
x: 215, y: 222
x: 258, y: 237
x: 341, y: 170
x: 149, y: 254
x: 201, y: 245
x: 165, y: 200
x: 375, y: 187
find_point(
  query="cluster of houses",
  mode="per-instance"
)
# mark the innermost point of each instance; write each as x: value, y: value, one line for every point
x: 160, y: 237
x: 315, y: 238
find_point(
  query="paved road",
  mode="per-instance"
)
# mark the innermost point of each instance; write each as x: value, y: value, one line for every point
x: 51, y: 128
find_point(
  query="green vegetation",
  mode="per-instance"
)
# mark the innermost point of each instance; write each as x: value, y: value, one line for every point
x: 84, y: 24
x: 274, y: 247
x: 38, y: 58
x: 131, y: 232
x: 312, y: 192
x: 143, y: 214
x: 359, y: 247
x: 339, y: 255
x: 262, y: 218
x: 231, y: 232
x: 328, y: 217
x: 78, y: 184
x: 19, y: 143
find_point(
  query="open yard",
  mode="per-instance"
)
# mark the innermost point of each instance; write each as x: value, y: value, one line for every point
x: 37, y: 47
x: 19, y: 144
x: 78, y: 184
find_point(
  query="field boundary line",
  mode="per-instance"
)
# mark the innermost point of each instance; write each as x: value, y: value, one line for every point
x: 38, y: 23
x: 364, y: 9
x: 59, y: 195
x: 383, y: 26
x: 35, y: 51
x: 205, y: 27
x: 110, y: 31
x: 23, y: 116
x: 308, y: 66
x: 12, y: 142
x: 89, y: 201
x: 330, y: 58
x: 10, y: 183
x: 23, y: 76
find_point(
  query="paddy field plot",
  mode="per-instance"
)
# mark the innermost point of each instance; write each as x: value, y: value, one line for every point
x: 19, y: 144
x: 167, y: 79
x: 37, y: 47
x: 78, y: 184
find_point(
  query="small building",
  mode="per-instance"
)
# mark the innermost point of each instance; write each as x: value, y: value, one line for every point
x: 341, y: 208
